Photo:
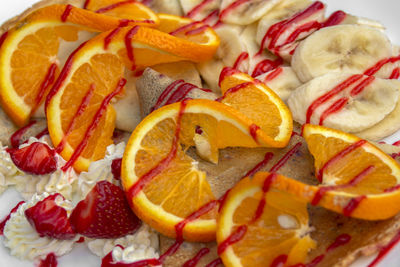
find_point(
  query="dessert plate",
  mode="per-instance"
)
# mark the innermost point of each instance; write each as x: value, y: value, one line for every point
x: 383, y: 11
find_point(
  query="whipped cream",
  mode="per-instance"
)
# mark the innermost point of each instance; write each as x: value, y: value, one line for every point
x: 133, y: 253
x: 100, y: 170
x: 61, y: 182
x: 145, y: 239
x: 7, y: 169
x: 23, y: 240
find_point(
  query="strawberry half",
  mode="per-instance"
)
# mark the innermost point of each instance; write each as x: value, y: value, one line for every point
x: 49, y: 219
x: 37, y: 158
x: 104, y: 213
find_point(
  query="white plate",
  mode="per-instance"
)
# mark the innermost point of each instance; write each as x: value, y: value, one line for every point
x: 385, y: 11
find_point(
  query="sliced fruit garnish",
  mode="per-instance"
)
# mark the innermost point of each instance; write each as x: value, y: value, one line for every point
x: 49, y: 219
x: 127, y: 10
x: 358, y: 179
x: 190, y: 30
x: 91, y: 77
x: 104, y: 213
x: 162, y: 181
x: 260, y: 226
x: 259, y: 103
x: 30, y: 57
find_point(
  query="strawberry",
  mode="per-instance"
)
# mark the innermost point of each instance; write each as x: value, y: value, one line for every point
x: 104, y: 213
x: 49, y: 219
x: 37, y: 158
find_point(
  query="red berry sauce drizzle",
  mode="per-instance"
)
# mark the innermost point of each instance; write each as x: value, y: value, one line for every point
x: 5, y: 220
x: 49, y: 261
x: 16, y: 137
x: 45, y: 85
x: 109, y: 37
x: 116, y: 168
x: 128, y: 43
x: 195, y: 260
x: 113, y: 6
x: 66, y: 13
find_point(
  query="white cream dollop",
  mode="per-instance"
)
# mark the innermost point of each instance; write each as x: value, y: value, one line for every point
x: 133, y: 253
x: 144, y: 236
x: 100, y: 170
x: 23, y: 240
x: 7, y: 169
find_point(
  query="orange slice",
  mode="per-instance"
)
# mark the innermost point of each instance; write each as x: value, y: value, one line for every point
x: 29, y: 54
x: 164, y: 184
x: 260, y: 226
x: 358, y: 179
x: 259, y: 103
x: 99, y: 63
x: 128, y: 9
x: 190, y: 30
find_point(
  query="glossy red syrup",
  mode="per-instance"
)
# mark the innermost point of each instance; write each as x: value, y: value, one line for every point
x: 341, y: 240
x: 85, y: 5
x: 327, y: 96
x: 195, y: 10
x: 3, y: 38
x: 339, y: 104
x: 109, y: 37
x: 42, y: 133
x: 222, y: 199
x: 276, y: 30
x: 108, y: 261
x: 353, y: 182
x: 395, y: 74
x: 49, y: 261
x: 165, y: 93
x: 267, y: 158
x: 113, y: 6
x: 15, y: 138
x: 47, y: 82
x: 242, y: 57
x: 392, y: 189
x: 5, y: 220
x: 197, y: 30
x: 227, y: 71
x: 164, y: 163
x: 307, y: 27
x: 279, y: 261
x: 285, y: 158
x: 253, y: 128
x: 63, y: 75
x: 215, y: 263
x: 340, y: 155
x: 379, y: 65
x: 37, y: 158
x: 66, y: 13
x: 180, y: 93
x: 128, y: 44
x: 80, y: 240
x: 81, y: 109
x: 334, y: 19
x: 93, y: 125
x: 266, y: 66
x: 234, y: 90
x: 233, y: 238
x: 185, y: 27
x: 385, y: 250
x: 274, y: 74
x: 198, y: 130
x: 352, y: 205
x: 266, y: 186
x: 116, y: 168
x: 195, y: 260
x: 231, y: 7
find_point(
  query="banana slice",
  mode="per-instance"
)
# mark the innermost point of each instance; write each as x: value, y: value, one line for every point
x: 351, y: 19
x: 169, y: 7
x: 342, y: 48
x: 281, y: 11
x: 209, y: 72
x: 199, y: 9
x: 231, y: 45
x: 389, y: 125
x: 350, y: 111
x: 283, y: 81
x: 245, y: 12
